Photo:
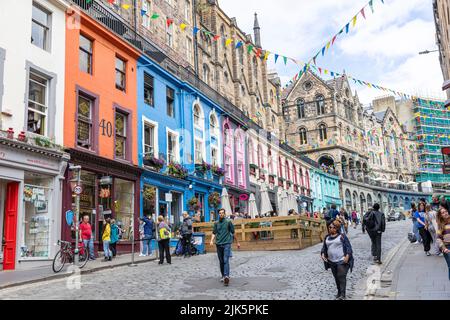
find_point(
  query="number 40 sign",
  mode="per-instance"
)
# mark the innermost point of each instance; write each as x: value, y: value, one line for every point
x: 107, y: 129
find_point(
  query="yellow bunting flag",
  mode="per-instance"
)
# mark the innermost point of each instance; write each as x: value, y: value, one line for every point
x: 183, y: 26
x: 328, y: 45
x: 228, y: 42
x: 325, y: 71
x: 354, y: 20
x: 126, y: 6
x: 369, y: 85
x: 266, y: 56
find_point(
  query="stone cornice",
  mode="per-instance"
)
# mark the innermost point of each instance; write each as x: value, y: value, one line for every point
x: 49, y: 153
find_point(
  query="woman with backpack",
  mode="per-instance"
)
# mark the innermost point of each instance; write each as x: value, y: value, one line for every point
x: 164, y: 233
x: 337, y: 255
x: 115, y: 231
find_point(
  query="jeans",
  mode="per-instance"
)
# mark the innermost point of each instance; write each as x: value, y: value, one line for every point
x: 164, y: 248
x: 447, y: 259
x: 89, y: 244
x: 375, y: 238
x: 426, y: 239
x: 146, y: 245
x: 223, y: 252
x: 340, y: 276
x: 113, y: 248
x: 106, y: 249
x: 416, y: 232
x: 186, y: 240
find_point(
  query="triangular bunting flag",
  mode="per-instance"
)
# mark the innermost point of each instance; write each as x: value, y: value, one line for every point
x: 126, y: 6
x: 332, y: 73
x: 258, y: 52
x: 347, y: 27
x: 320, y: 70
x: 371, y: 5
x: 183, y: 26
x: 325, y: 71
x: 328, y: 45
x: 228, y: 42
x: 111, y: 1
x: 295, y: 78
x: 362, y: 12
x: 266, y: 56
x: 154, y: 16
x: 195, y: 31
x: 143, y: 12
x: 276, y: 57
x: 250, y: 48
x: 285, y: 60
x: 382, y: 1
x: 340, y: 32
x: 314, y: 60
x: 239, y: 44
x: 323, y: 51
x: 216, y: 37
x: 169, y: 22
x: 354, y: 20
x: 334, y: 39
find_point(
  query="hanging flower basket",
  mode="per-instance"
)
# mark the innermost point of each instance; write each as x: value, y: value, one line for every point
x: 214, y: 200
x: 177, y: 170
x: 203, y: 167
x: 194, y: 204
x: 149, y: 194
x: 218, y: 171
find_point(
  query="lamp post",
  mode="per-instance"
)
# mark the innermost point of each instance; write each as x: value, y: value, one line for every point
x: 74, y: 183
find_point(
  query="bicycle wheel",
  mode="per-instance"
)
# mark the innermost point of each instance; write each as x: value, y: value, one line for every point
x: 83, y: 257
x: 59, y: 261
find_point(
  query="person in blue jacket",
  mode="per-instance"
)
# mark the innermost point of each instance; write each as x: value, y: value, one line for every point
x: 148, y: 236
x: 337, y: 255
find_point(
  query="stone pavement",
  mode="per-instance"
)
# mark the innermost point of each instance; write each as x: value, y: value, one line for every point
x: 297, y: 274
x: 418, y: 277
x: 45, y: 271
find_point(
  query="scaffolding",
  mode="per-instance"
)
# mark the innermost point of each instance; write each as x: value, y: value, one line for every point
x: 432, y: 124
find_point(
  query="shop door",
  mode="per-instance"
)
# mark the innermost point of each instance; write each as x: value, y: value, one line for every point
x: 10, y: 231
x: 176, y: 207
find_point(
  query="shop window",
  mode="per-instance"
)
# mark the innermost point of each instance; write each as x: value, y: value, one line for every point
x: 85, y: 122
x: 121, y: 125
x: 87, y: 199
x: 37, y: 104
x: 40, y: 27
x: 148, y: 89
x: 201, y: 200
x: 124, y: 206
x: 170, y: 97
x: 85, y: 54
x: 37, y: 196
x: 120, y: 74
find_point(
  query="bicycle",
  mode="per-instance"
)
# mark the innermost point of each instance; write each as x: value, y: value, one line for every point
x: 67, y: 255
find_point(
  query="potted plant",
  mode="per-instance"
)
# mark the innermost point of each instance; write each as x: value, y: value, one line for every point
x: 218, y: 171
x: 177, y: 170
x: 194, y: 204
x: 214, y: 200
x: 42, y: 142
x: 154, y: 162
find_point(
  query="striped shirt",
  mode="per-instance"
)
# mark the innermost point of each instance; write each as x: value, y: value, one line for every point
x: 443, y: 236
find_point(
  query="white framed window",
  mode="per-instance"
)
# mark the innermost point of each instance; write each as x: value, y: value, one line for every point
x: 170, y: 102
x: 199, y: 155
x: 169, y: 35
x: 147, y: 8
x: 198, y: 116
x: 173, y: 148
x: 187, y: 10
x: 150, y: 137
x: 40, y: 27
x: 228, y: 170
x: 206, y: 74
x: 214, y: 156
x: 240, y: 169
x: 189, y: 50
x: 37, y: 111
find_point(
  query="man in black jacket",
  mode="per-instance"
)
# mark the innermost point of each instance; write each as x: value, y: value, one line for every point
x: 375, y: 224
x: 186, y: 233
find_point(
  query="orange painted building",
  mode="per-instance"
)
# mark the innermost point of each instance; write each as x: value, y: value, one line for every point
x: 100, y: 131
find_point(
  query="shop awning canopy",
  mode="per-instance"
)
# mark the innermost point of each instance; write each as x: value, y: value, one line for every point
x: 266, y: 206
x: 225, y: 202
x: 252, y: 207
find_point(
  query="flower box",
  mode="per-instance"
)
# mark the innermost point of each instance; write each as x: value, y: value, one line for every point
x: 177, y: 170
x: 154, y: 163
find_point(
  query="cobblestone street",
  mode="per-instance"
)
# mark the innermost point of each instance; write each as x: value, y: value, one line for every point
x: 255, y: 275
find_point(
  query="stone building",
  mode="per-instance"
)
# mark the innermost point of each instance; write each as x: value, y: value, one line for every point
x: 370, y: 150
x: 240, y: 75
x: 441, y: 9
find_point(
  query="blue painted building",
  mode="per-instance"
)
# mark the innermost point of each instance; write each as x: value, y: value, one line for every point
x: 325, y: 190
x: 178, y: 131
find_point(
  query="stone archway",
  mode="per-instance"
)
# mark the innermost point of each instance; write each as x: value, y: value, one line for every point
x: 326, y: 162
x: 355, y: 200
x: 362, y: 202
x: 369, y: 201
x: 348, y: 200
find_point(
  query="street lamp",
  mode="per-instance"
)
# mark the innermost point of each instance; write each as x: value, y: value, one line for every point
x: 73, y: 184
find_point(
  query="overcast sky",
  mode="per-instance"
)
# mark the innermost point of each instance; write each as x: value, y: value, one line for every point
x: 383, y: 49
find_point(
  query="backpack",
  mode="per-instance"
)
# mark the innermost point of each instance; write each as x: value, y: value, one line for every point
x: 412, y: 237
x: 369, y: 220
x: 164, y: 233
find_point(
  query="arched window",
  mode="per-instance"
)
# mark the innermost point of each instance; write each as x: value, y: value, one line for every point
x: 270, y: 161
x: 294, y: 169
x: 222, y: 34
x: 250, y: 151
x: 303, y: 137
x: 227, y: 135
x: 322, y: 132
x: 260, y: 158
x: 320, y: 104
x: 255, y: 68
x: 213, y: 125
x: 271, y: 97
x: 280, y: 167
x: 199, y: 142
x: 197, y: 116
x: 300, y: 108
x: 206, y: 74
x: 288, y: 174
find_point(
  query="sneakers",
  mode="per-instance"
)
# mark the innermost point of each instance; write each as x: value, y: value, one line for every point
x: 226, y: 281
x: 417, y: 242
x: 428, y: 253
x: 222, y: 279
x: 142, y: 255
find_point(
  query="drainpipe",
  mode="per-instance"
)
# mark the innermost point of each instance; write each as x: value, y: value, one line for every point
x: 135, y: 19
x: 194, y: 20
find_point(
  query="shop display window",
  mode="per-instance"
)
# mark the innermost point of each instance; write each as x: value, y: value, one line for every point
x: 124, y: 206
x: 149, y: 199
x: 37, y: 197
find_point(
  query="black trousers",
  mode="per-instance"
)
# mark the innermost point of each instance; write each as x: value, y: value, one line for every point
x: 186, y: 240
x: 164, y: 249
x: 426, y: 239
x: 340, y: 276
x: 375, y: 238
x: 112, y: 247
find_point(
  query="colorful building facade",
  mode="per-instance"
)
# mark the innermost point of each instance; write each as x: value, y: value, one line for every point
x: 324, y: 189
x: 100, y: 131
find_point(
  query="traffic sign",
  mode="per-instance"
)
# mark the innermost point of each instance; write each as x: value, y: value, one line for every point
x: 78, y: 190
